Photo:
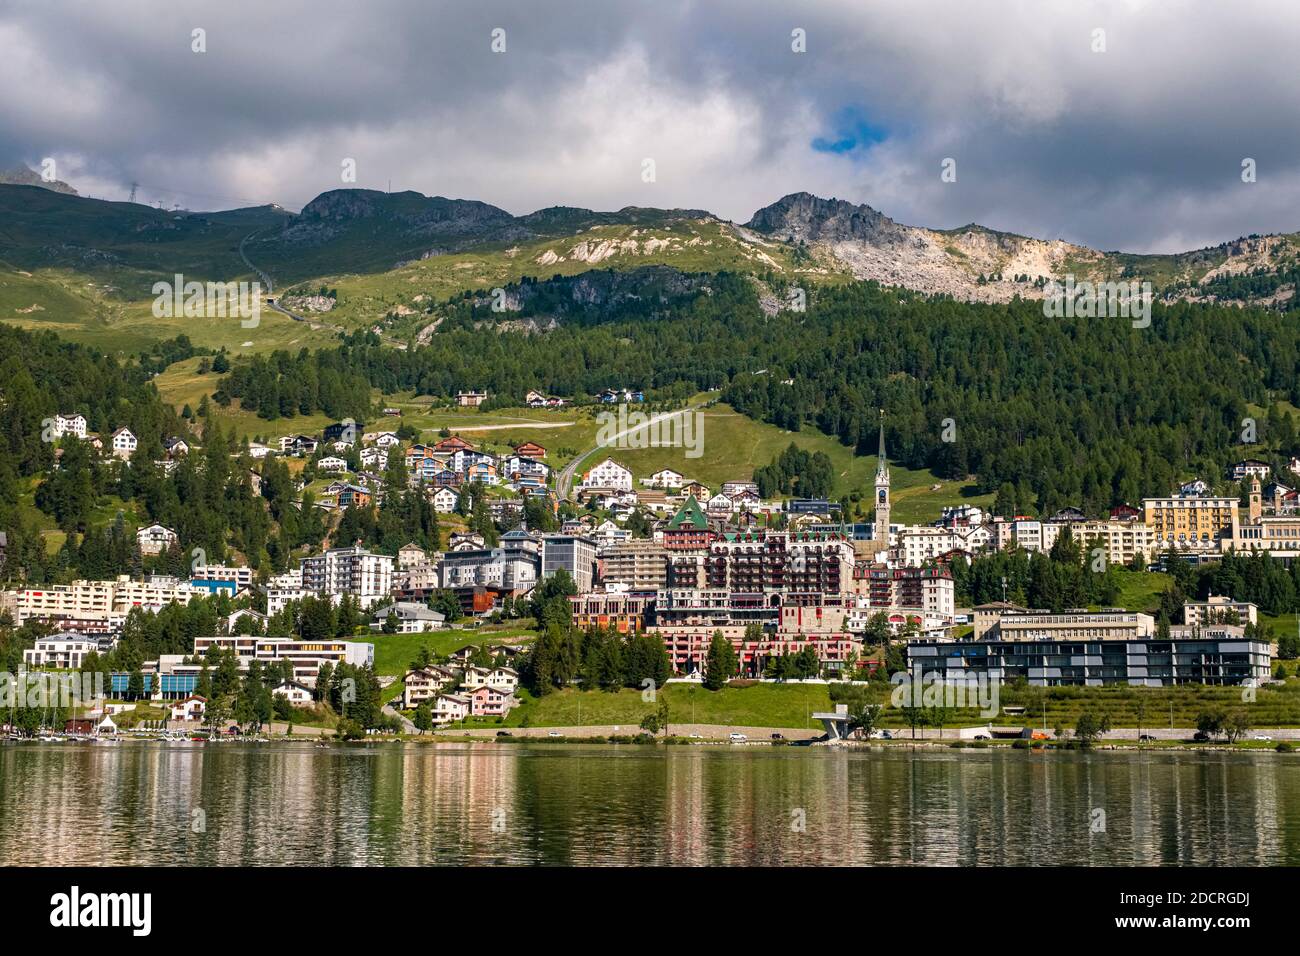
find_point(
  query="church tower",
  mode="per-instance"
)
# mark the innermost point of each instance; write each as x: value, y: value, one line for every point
x: 880, y: 533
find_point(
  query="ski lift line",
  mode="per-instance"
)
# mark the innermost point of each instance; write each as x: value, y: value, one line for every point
x: 161, y: 190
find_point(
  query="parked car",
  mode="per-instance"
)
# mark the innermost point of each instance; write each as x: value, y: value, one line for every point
x: 735, y: 736
x: 1263, y: 737
x: 1201, y: 737
x: 504, y: 733
x: 981, y: 737
x: 777, y: 737
x: 1146, y: 738
x: 697, y: 736
x: 554, y: 733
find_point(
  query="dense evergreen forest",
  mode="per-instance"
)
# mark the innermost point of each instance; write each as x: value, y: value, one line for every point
x: 1086, y: 411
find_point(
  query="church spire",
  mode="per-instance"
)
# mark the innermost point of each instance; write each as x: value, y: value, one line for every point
x: 880, y: 455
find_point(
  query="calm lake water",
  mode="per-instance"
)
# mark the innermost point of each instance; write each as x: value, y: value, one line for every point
x: 453, y: 804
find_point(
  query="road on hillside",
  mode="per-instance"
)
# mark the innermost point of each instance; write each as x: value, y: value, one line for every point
x: 565, y: 479
x: 271, y: 300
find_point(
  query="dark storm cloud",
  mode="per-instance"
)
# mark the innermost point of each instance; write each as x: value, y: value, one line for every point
x: 1138, y: 147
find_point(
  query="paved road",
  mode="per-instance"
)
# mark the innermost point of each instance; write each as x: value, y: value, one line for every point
x: 565, y: 479
x: 272, y: 300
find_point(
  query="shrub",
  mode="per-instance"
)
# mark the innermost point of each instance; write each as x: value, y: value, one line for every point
x: 1285, y: 747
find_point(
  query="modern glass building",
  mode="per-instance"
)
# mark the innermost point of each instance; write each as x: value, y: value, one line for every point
x: 173, y: 685
x: 1063, y: 663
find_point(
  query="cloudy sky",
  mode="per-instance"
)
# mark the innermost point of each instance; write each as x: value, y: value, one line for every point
x: 1137, y: 147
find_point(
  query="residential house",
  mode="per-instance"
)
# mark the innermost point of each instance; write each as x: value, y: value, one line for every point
x: 123, y: 443
x: 412, y: 618
x: 608, y: 474
x: 452, y: 444
x: 423, y: 684
x: 191, y: 708
x: 332, y: 463
x: 665, y: 478
x: 155, y: 539
x: 175, y: 446
x: 530, y: 449
x: 448, y: 708
x: 1250, y: 467
x: 295, y: 692
x: 487, y: 701
x: 444, y: 501
x: 375, y: 456
x: 72, y: 423
x: 471, y: 399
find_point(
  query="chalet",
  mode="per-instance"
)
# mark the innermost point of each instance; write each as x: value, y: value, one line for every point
x: 471, y: 399
x: 411, y: 554
x: 733, y: 488
x: 1069, y: 515
x: 535, y: 399
x: 332, y: 463
x: 421, y: 684
x: 693, y: 489
x: 718, y: 504
x: 1193, y: 489
x: 70, y: 424
x: 1250, y: 468
x: 465, y: 541
x: 485, y: 701
x: 175, y: 446
x: 530, y: 449
x: 346, y: 430
x: 656, y: 501
x: 393, y: 412
x: 353, y: 496
x: 454, y: 443
x: 450, y: 707
x: 191, y: 708
x: 1125, y: 513
x: 298, y: 445
x: 608, y: 474
x: 612, y: 395
x: 124, y: 442
x: 447, y: 479
x: 375, y: 457
x: 665, y: 478
x: 295, y: 692
x: 387, y: 440
x: 444, y: 500
x: 156, y: 539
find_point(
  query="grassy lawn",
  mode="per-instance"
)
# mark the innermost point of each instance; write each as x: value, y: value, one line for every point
x: 760, y: 705
x: 394, y: 652
x: 1141, y: 590
x: 791, y: 706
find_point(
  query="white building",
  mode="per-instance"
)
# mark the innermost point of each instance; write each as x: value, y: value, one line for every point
x: 332, y: 463
x: 665, y: 478
x: 71, y: 424
x: 155, y: 539
x: 608, y: 474
x: 444, y: 501
x: 65, y: 653
x: 354, y: 571
x: 123, y: 443
x: 412, y: 618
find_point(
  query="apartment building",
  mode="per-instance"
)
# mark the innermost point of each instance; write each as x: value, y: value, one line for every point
x: 640, y: 564
x: 626, y: 611
x: 354, y: 571
x: 306, y: 656
x: 1081, y: 625
x: 1058, y: 662
x: 65, y: 653
x: 777, y: 561
x: 1120, y: 541
x: 1214, y: 610
x: 570, y: 552
x: 928, y: 591
x: 97, y: 599
x: 1191, y: 522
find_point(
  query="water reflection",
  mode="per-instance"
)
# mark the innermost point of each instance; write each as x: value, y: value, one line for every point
x: 457, y: 804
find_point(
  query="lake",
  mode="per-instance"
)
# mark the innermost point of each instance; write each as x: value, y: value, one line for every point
x: 167, y: 803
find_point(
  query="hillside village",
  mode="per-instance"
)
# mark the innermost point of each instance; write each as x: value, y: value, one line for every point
x: 789, y: 585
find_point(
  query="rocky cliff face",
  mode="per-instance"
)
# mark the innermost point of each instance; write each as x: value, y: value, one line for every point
x: 22, y: 176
